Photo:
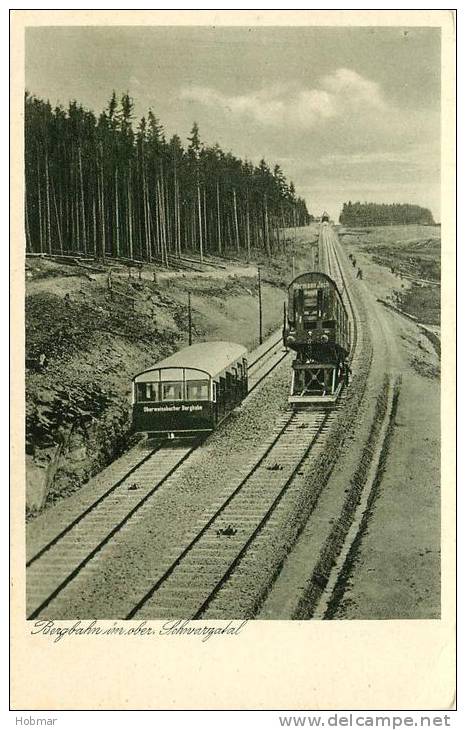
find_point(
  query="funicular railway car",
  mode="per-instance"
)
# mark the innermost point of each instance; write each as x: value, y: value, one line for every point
x: 191, y: 391
x: 316, y: 326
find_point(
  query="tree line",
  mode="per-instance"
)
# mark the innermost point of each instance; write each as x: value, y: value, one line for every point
x: 97, y: 186
x: 384, y: 214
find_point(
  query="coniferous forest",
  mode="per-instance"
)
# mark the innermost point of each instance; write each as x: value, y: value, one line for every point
x: 383, y: 214
x: 109, y: 186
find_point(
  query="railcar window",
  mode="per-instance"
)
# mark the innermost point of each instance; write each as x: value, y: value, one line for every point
x: 147, y: 392
x: 172, y: 390
x: 197, y: 390
x: 310, y: 305
x: 328, y: 324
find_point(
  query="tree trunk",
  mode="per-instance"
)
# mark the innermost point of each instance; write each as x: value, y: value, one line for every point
x: 60, y: 239
x: 117, y: 216
x: 47, y: 198
x: 161, y: 222
x: 206, y: 236
x: 130, y: 213
x: 28, y: 232
x: 102, y: 206
x: 219, y: 229
x: 193, y: 228
x: 147, y: 218
x: 266, y: 226
x: 178, y: 218
x: 178, y: 213
x: 201, y: 242
x: 83, y: 214
x: 235, y: 218
x: 94, y: 225
x: 167, y: 217
x: 248, y: 233
x: 41, y: 243
x: 164, y: 220
x: 77, y: 206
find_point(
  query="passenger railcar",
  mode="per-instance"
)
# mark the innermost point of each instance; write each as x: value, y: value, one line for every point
x: 316, y: 326
x: 325, y: 218
x: 191, y: 391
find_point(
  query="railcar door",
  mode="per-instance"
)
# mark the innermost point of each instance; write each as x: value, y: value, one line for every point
x: 221, y: 397
x: 245, y: 377
x: 235, y: 381
x: 215, y: 405
x: 230, y: 394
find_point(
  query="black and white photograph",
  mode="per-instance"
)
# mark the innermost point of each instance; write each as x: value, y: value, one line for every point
x: 233, y: 247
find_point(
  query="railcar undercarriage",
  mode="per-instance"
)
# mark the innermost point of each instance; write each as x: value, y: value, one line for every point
x: 317, y: 382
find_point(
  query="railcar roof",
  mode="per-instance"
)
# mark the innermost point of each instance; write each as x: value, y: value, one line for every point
x: 212, y: 357
x: 316, y: 276
x: 313, y: 276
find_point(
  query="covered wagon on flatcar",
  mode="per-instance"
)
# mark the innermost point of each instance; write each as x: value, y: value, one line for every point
x: 191, y: 391
x: 316, y: 326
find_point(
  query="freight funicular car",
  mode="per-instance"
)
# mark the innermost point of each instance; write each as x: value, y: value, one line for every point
x: 191, y: 391
x: 316, y: 327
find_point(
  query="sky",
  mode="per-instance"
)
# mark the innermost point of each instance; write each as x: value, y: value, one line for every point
x: 348, y: 113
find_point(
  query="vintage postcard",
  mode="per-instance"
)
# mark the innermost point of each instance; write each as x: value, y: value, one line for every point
x: 233, y: 461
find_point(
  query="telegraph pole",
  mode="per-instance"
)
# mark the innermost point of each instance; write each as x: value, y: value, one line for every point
x: 190, y: 328
x: 284, y: 326
x: 260, y: 303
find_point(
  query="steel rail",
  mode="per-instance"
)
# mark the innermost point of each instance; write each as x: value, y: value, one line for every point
x: 97, y: 502
x: 122, y: 479
x: 264, y: 519
x: 259, y: 357
x: 222, y: 581
x: 108, y: 537
x: 167, y: 573
x: 123, y: 521
x: 91, y: 507
x: 324, y: 415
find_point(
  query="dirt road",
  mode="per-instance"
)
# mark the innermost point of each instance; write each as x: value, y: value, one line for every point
x: 393, y: 570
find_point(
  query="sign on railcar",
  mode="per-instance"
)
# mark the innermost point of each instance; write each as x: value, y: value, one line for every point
x: 173, y: 417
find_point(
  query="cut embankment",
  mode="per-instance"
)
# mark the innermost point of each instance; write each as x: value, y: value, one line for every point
x: 85, y: 342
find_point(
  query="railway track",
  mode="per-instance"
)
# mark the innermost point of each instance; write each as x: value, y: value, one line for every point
x: 192, y: 578
x: 356, y: 509
x: 335, y: 267
x: 267, y: 361
x: 313, y: 580
x: 56, y: 561
x: 199, y: 571
x: 190, y: 585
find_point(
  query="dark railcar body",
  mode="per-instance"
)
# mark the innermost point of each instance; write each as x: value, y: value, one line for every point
x: 316, y: 326
x: 316, y: 323
x: 191, y: 391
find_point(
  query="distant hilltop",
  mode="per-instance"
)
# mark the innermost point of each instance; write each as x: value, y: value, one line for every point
x: 384, y: 214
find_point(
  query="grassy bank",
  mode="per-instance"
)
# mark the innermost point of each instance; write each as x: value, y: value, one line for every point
x: 412, y: 255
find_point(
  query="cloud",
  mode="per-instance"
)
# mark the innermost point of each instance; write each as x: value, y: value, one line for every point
x: 365, y: 158
x: 349, y: 86
x: 300, y: 109
x: 420, y: 157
